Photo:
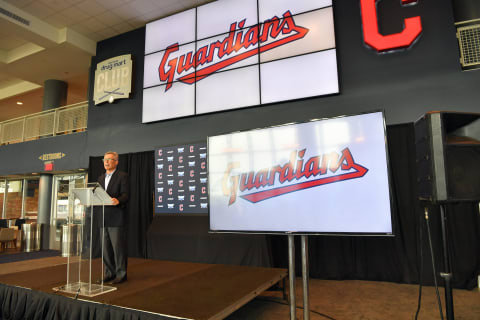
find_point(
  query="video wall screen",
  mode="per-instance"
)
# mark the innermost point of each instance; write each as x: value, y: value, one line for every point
x: 230, y: 54
x: 181, y: 179
x: 324, y: 176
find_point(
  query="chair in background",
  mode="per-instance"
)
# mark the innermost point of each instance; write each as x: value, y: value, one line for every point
x: 7, y: 235
x: 19, y: 223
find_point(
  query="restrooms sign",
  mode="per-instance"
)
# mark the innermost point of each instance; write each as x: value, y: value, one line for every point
x: 230, y: 54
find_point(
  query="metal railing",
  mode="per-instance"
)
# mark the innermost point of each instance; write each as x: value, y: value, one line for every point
x: 63, y: 120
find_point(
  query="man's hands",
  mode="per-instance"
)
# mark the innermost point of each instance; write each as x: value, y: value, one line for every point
x: 115, y: 201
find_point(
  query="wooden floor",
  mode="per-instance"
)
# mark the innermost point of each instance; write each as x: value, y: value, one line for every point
x: 328, y: 299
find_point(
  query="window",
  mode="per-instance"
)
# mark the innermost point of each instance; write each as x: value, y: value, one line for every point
x: 62, y: 185
x: 19, y: 198
x: 31, y: 198
x: 2, y: 196
x: 14, y: 205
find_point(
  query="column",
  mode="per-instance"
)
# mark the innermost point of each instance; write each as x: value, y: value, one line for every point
x: 44, y: 208
x: 54, y: 94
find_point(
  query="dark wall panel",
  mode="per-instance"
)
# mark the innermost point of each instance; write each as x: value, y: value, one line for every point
x: 22, y: 158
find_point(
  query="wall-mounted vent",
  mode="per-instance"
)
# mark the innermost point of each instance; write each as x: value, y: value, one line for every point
x: 467, y: 22
x: 13, y: 16
x: 469, y: 42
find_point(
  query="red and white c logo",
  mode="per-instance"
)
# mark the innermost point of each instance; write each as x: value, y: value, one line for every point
x: 373, y: 38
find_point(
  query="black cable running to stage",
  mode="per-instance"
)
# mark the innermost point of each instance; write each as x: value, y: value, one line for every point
x: 78, y: 292
x: 433, y: 264
x: 298, y: 307
x: 420, y: 276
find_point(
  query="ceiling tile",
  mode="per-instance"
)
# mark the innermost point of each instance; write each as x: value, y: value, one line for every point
x: 75, y: 2
x: 38, y: 10
x: 109, y: 18
x: 74, y: 15
x: 143, y: 6
x: 19, y: 3
x: 155, y: 15
x: 94, y: 24
x: 108, y: 32
x: 57, y: 20
x: 96, y: 36
x: 91, y: 7
x: 137, y: 22
x: 112, y: 4
x: 56, y: 5
x: 126, y: 11
x: 123, y: 27
x: 81, y: 28
x: 6, y: 79
x: 9, y: 43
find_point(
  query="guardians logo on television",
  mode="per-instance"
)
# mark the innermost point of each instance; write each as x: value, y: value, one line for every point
x: 281, y: 179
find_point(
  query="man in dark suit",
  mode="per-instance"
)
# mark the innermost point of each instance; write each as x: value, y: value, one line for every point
x: 115, y: 183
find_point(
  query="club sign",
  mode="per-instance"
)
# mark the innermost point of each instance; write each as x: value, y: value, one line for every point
x: 113, y: 79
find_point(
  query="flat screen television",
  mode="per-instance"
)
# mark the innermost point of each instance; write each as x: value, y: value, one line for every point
x: 324, y: 176
x: 181, y: 179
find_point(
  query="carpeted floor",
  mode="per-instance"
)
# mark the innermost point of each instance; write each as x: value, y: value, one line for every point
x: 16, y: 256
x: 361, y: 300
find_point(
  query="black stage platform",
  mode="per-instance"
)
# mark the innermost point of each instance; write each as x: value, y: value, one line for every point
x: 155, y: 290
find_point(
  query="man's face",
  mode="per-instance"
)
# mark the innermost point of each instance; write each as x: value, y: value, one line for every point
x: 109, y: 162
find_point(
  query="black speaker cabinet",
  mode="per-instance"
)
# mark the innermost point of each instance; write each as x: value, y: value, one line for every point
x: 448, y: 156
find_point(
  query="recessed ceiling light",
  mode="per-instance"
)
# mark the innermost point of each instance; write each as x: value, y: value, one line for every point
x: 19, y: 103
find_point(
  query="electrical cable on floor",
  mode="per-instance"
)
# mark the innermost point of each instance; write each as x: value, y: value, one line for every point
x: 298, y: 307
x: 78, y: 292
x: 433, y: 265
x: 420, y: 277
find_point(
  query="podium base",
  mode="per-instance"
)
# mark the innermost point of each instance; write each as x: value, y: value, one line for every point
x: 85, y: 289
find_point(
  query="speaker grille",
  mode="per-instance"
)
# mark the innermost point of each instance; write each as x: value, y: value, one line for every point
x: 469, y: 42
x: 463, y: 172
x: 448, y: 156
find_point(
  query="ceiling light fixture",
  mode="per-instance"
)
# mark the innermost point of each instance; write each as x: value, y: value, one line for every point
x: 19, y: 103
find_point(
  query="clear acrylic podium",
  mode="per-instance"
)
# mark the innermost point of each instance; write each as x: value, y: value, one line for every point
x: 85, y: 273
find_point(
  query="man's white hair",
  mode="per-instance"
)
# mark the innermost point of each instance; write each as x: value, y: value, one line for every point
x: 115, y: 155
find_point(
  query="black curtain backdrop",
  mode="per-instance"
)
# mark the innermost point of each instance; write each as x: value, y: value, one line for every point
x: 140, y: 169
x: 398, y: 258
x: 23, y: 303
